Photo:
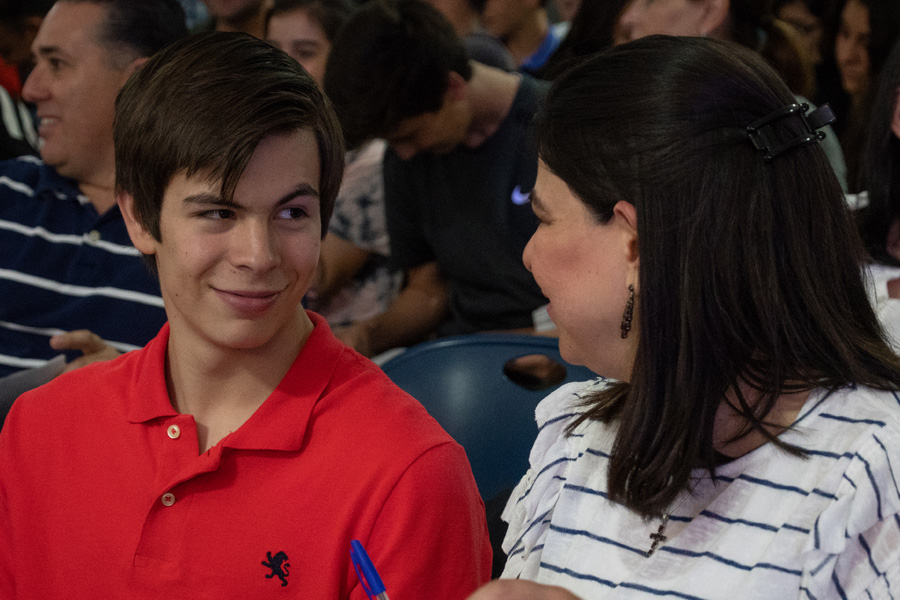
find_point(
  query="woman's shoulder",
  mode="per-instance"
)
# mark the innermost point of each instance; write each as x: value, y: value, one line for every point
x: 556, y: 414
x: 567, y: 402
x: 859, y: 431
x: 848, y: 424
x: 852, y: 436
x: 556, y: 448
x: 871, y: 409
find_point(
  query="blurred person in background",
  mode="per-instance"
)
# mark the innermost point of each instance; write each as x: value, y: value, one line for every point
x: 70, y: 279
x: 456, y: 174
x: 860, y: 35
x: 878, y: 214
x: 594, y: 27
x: 805, y: 17
x: 466, y: 18
x: 524, y: 27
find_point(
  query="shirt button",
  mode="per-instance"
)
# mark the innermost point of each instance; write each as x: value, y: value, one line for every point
x: 168, y: 499
x: 94, y: 236
x: 174, y: 432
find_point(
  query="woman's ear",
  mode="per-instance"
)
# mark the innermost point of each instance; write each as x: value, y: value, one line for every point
x: 140, y: 237
x: 625, y: 216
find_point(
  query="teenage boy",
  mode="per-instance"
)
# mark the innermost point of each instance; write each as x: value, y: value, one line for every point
x: 239, y: 453
x: 456, y: 176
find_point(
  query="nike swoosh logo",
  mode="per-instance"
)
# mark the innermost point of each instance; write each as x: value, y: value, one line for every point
x: 518, y: 198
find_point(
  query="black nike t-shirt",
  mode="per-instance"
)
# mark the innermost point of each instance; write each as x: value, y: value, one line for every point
x: 469, y: 211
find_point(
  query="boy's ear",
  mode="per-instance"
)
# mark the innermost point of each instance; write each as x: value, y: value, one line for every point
x: 140, y: 237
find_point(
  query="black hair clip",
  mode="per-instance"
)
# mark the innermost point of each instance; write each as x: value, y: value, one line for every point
x: 765, y: 141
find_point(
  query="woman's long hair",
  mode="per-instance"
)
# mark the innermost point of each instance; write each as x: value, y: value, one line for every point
x: 749, y: 269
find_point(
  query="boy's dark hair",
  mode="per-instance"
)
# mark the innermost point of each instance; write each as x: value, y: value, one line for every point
x: 749, y: 269
x: 204, y: 104
x: 139, y: 28
x: 329, y: 14
x: 390, y: 62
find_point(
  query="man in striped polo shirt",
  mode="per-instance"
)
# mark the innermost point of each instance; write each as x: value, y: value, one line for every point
x: 70, y: 280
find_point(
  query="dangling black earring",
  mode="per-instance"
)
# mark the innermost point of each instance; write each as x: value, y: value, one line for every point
x: 629, y: 312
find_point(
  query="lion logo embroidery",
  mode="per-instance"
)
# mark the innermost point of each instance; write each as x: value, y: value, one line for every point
x: 279, y: 565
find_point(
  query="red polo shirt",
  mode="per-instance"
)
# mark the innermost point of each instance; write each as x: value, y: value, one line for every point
x: 103, y: 494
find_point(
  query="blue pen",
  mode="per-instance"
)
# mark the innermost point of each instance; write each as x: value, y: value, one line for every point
x: 365, y: 570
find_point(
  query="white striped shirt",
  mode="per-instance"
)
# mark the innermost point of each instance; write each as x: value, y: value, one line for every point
x: 774, y: 526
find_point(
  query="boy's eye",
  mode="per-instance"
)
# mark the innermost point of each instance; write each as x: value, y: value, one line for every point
x: 218, y: 213
x: 292, y: 212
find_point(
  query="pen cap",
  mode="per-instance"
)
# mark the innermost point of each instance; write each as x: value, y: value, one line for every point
x: 365, y: 570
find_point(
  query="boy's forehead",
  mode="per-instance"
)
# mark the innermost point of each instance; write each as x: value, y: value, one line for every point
x: 209, y: 181
x: 185, y: 183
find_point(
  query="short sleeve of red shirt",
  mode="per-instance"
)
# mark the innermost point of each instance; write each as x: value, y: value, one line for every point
x: 414, y: 543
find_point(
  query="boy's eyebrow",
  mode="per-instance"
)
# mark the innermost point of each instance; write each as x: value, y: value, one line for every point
x: 207, y: 199
x: 536, y: 203
x: 304, y: 189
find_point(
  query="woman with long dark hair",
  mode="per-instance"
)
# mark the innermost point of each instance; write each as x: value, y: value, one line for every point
x: 697, y: 253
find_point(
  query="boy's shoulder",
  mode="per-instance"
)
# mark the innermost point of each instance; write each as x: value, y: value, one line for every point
x: 97, y: 392
x: 373, y: 405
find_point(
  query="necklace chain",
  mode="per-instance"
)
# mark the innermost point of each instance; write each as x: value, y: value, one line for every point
x: 659, y: 537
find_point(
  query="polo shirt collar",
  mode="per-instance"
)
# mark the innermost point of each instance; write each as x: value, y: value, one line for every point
x: 50, y: 183
x: 281, y: 422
